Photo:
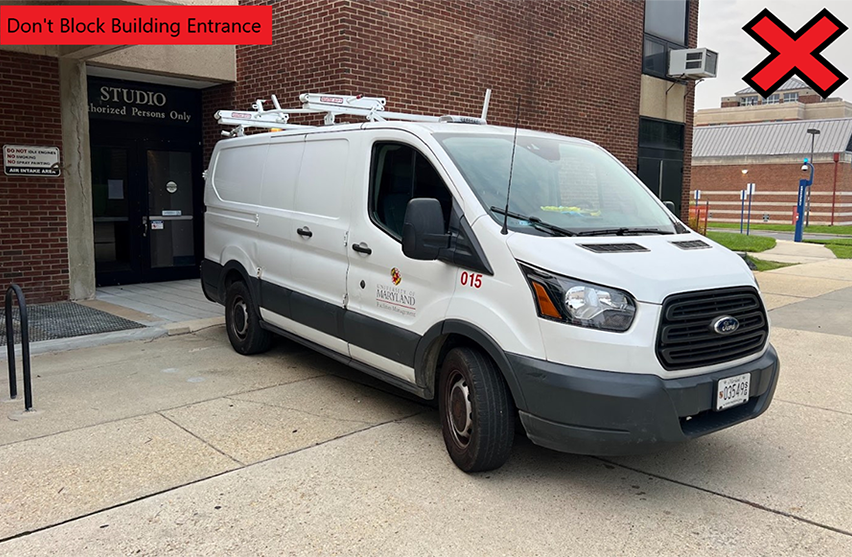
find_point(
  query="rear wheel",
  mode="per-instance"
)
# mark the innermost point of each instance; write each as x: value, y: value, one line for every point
x: 242, y: 321
x: 477, y: 414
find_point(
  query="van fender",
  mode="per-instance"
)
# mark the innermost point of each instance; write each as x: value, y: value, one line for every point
x: 432, y: 347
x: 235, y: 259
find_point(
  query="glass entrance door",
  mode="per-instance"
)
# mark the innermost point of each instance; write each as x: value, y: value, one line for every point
x: 170, y: 225
x: 146, y: 204
x: 114, y: 209
x: 661, y: 158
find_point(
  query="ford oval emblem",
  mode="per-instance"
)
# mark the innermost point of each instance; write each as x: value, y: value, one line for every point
x: 725, y: 325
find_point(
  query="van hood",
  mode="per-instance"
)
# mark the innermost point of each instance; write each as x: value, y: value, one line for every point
x: 649, y: 276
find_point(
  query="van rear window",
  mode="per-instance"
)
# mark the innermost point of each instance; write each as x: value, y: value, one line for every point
x: 237, y: 174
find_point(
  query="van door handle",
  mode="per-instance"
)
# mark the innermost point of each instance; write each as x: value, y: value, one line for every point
x: 362, y: 248
x: 304, y: 231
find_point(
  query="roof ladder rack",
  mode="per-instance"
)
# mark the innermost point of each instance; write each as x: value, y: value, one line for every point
x: 371, y: 108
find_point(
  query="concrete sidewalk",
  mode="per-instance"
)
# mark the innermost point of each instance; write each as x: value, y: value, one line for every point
x: 179, y: 446
x: 795, y: 252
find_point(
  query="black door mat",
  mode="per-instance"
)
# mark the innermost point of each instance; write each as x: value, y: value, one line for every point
x: 64, y: 320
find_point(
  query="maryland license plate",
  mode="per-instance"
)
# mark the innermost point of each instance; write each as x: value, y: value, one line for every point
x: 732, y: 391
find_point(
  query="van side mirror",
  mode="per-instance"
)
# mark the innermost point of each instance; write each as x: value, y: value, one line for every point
x: 423, y: 235
x: 670, y: 206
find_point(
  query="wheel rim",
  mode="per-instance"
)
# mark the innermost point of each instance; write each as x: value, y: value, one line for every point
x: 458, y: 409
x: 239, y: 318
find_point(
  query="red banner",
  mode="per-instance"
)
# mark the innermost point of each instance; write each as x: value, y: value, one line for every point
x: 132, y: 25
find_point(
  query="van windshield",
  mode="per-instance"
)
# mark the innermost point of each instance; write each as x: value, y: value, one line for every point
x: 559, y: 187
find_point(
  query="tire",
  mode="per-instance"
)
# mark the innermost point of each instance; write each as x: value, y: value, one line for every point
x: 242, y: 320
x: 477, y: 412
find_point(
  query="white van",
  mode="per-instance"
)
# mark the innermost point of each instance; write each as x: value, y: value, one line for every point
x: 588, y: 310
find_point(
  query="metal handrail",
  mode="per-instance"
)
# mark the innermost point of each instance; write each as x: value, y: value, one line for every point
x: 25, y: 346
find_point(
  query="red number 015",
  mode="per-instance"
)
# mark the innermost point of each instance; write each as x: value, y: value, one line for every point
x: 473, y: 279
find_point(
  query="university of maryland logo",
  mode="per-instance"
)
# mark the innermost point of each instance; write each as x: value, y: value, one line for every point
x: 396, y: 276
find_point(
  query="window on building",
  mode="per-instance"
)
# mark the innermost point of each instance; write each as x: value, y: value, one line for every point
x: 399, y: 174
x: 666, y: 29
x: 772, y: 99
x: 791, y: 97
x: 655, y: 58
x: 748, y: 101
x: 666, y: 19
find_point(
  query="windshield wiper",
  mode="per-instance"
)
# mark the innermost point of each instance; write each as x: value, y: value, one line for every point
x: 537, y: 223
x: 622, y: 231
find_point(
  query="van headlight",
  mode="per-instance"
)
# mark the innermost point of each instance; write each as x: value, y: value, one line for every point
x: 580, y: 303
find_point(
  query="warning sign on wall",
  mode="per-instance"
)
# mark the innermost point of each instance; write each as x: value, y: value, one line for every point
x: 27, y: 160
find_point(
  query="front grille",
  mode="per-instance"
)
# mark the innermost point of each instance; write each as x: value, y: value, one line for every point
x: 686, y: 338
x: 613, y: 248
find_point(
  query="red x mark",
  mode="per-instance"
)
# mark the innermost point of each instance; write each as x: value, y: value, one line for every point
x: 795, y: 53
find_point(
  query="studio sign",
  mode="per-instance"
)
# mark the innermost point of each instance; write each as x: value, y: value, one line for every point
x: 136, y: 103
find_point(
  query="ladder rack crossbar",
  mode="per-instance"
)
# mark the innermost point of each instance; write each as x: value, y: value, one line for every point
x: 370, y: 108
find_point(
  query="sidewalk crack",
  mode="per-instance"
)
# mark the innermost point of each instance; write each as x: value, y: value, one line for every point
x: 281, y: 406
x: 730, y: 497
x: 845, y: 413
x: 215, y: 448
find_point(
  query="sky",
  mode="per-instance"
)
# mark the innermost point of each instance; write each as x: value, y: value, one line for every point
x: 720, y: 28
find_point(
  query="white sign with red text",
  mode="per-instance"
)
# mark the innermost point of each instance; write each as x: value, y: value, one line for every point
x: 28, y: 160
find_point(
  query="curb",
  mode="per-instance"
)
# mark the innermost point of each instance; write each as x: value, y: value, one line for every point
x: 187, y: 327
x: 89, y: 341
x: 117, y: 337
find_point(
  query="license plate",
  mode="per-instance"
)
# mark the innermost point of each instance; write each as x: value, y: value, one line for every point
x: 732, y: 391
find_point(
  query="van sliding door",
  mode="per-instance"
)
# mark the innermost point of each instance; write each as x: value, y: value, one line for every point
x: 318, y: 230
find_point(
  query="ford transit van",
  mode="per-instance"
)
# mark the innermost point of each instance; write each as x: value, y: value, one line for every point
x: 583, y: 306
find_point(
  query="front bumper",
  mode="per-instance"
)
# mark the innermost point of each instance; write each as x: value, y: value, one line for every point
x: 592, y: 412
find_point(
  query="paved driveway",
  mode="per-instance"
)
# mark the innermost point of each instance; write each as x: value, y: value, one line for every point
x: 178, y: 446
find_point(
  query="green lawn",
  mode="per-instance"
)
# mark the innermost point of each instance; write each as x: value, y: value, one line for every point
x: 842, y: 247
x: 741, y: 242
x: 814, y: 229
x: 767, y: 265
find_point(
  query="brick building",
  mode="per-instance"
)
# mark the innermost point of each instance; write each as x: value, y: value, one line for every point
x: 770, y: 138
x: 134, y: 126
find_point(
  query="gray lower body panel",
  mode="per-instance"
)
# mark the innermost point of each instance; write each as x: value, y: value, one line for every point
x: 593, y: 412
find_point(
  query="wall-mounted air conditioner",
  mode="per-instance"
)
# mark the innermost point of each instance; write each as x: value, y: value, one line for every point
x: 693, y: 63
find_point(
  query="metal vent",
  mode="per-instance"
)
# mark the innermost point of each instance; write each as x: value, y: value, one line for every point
x: 613, y: 248
x: 692, y: 244
x: 686, y: 338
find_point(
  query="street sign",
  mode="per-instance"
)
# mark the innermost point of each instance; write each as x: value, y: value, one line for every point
x: 28, y: 160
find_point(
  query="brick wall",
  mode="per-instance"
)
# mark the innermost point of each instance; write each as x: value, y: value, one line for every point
x: 690, y: 118
x: 575, y: 63
x: 776, y: 191
x: 213, y: 99
x: 33, y: 231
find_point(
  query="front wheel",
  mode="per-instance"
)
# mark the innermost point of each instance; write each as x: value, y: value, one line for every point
x: 477, y: 413
x: 243, y: 322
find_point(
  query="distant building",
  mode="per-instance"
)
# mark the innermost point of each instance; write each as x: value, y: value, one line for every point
x: 793, y: 101
x: 792, y: 91
x: 770, y: 139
